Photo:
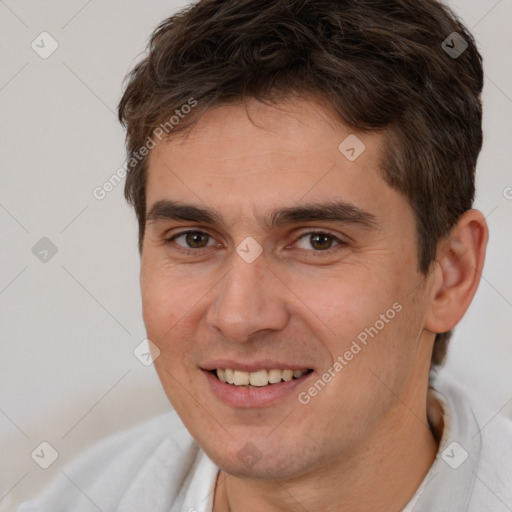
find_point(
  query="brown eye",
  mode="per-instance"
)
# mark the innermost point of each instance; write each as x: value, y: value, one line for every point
x: 196, y: 239
x: 319, y: 241
x: 192, y: 239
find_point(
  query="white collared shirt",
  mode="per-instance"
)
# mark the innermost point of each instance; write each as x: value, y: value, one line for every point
x: 158, y: 467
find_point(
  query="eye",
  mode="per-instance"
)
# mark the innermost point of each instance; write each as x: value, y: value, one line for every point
x: 318, y: 240
x: 193, y: 240
x: 312, y: 241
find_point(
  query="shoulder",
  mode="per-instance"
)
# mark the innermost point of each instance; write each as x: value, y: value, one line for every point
x: 153, y: 458
x: 492, y: 485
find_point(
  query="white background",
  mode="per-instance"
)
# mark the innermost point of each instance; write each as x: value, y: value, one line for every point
x: 68, y: 327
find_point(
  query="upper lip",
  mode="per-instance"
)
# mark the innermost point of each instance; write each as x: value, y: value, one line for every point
x: 254, y: 366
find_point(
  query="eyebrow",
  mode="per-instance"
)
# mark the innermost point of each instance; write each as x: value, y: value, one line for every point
x: 331, y: 211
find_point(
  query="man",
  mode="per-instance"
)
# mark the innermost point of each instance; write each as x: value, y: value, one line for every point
x: 303, y: 176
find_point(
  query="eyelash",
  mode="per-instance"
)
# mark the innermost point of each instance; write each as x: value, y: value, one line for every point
x: 302, y: 235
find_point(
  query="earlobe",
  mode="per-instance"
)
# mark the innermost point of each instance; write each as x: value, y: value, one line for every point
x: 458, y: 271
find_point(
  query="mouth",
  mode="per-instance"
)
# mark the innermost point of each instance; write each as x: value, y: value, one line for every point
x: 255, y: 384
x: 258, y: 379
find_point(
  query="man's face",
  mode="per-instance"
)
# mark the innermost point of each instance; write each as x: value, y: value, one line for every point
x: 342, y: 289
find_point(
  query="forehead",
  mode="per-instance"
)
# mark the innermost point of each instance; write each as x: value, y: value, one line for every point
x: 251, y: 158
x: 293, y: 128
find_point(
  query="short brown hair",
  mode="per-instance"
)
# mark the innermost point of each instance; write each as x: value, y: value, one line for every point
x: 381, y: 65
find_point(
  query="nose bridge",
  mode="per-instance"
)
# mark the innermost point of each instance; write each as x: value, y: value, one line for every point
x: 249, y: 300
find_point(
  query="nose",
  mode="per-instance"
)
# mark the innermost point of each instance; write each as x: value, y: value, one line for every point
x: 250, y: 299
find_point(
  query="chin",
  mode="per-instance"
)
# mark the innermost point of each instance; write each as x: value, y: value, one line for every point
x: 250, y: 462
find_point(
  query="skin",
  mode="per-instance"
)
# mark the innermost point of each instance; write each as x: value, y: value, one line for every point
x: 363, y: 442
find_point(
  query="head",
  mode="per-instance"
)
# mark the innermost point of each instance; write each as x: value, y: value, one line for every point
x: 253, y: 124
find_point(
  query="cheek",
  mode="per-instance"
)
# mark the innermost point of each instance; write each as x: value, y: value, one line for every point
x: 172, y: 307
x: 348, y: 301
x: 167, y: 300
x: 155, y: 303
x: 369, y: 318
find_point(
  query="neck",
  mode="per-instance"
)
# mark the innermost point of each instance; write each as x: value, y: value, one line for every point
x: 382, y: 475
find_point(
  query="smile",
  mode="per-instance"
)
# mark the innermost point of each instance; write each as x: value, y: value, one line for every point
x: 258, y: 378
x: 255, y: 389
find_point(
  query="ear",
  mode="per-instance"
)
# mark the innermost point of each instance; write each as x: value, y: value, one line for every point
x: 457, y: 272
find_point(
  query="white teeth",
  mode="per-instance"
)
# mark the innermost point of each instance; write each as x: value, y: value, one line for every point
x: 287, y: 375
x: 259, y: 378
x: 274, y: 376
x: 230, y: 375
x: 241, y: 378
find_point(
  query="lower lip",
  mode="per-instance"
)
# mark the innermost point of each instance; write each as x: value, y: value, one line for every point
x: 247, y: 398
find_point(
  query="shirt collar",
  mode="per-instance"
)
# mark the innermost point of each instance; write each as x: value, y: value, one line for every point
x: 448, y: 485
